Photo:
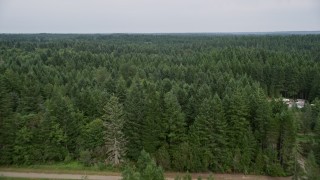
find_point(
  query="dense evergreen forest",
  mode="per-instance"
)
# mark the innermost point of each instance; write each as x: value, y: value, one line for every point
x: 194, y: 102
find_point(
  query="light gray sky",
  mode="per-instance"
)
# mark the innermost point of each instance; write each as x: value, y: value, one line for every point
x: 156, y: 16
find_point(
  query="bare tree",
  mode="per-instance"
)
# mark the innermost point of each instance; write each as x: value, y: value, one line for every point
x: 114, y: 138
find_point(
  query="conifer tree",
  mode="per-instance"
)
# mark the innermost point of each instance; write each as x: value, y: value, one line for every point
x: 209, y: 132
x: 260, y: 117
x: 173, y: 121
x: 219, y: 139
x: 134, y: 122
x: 312, y: 168
x: 54, y: 139
x: 317, y: 139
x: 241, y: 140
x: 53, y: 86
x: 115, y: 140
x: 152, y: 122
x: 92, y: 135
x: 61, y: 110
x: 287, y: 138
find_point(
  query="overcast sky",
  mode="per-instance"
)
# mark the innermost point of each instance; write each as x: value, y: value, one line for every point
x: 149, y: 16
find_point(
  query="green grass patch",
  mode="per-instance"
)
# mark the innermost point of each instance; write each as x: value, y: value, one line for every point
x: 63, y: 167
x: 74, y: 165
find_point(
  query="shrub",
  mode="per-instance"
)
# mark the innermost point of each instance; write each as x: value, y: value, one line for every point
x: 210, y: 177
x: 146, y: 169
x: 177, y: 178
x: 187, y: 176
x: 129, y: 173
x: 101, y: 166
x: 85, y: 158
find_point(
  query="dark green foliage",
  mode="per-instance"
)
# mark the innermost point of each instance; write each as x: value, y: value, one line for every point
x: 261, y: 111
x: 317, y: 140
x: 312, y: 168
x: 181, y: 157
x: 163, y: 157
x: 287, y: 139
x: 208, y: 136
x: 240, y: 134
x: 210, y: 177
x: 146, y: 169
x: 135, y: 120
x: 152, y: 130
x: 55, y: 138
x: 92, y: 135
x: 173, y: 121
x: 85, y: 158
x: 61, y: 111
x: 187, y: 176
x: 194, y: 102
x: 129, y: 173
x: 297, y: 154
x: 22, y: 147
x: 260, y: 164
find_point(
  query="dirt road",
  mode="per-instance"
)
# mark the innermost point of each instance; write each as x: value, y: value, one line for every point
x: 57, y: 176
x: 105, y: 177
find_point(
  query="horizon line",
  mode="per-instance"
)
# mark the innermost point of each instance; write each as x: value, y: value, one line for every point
x: 218, y: 32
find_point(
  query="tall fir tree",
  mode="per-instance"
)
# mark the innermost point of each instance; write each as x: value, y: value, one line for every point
x: 239, y: 131
x: 134, y: 122
x: 220, y: 151
x: 152, y: 128
x: 210, y: 131
x: 173, y: 122
x: 260, y: 115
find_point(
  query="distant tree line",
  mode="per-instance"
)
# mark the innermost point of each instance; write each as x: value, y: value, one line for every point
x: 193, y: 102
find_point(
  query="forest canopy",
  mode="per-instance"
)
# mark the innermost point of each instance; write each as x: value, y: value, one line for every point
x: 194, y: 102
